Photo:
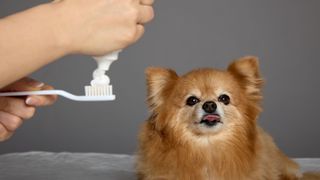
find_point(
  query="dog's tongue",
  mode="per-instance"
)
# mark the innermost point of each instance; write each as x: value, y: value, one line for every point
x: 211, y: 117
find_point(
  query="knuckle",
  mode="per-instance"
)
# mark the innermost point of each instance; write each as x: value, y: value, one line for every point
x: 129, y: 35
x: 140, y: 33
x: 48, y: 87
x: 142, y: 30
x: 4, y: 134
x: 14, y: 123
x: 29, y: 112
x: 132, y: 14
x: 150, y: 12
x: 52, y: 100
x: 49, y: 100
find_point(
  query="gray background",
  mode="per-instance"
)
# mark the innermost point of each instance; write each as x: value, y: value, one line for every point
x: 187, y: 34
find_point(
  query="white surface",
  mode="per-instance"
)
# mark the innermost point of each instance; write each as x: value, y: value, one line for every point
x: 82, y: 166
x: 66, y: 166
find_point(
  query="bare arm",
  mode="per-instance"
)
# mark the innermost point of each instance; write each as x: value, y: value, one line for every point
x: 27, y: 42
x: 40, y: 35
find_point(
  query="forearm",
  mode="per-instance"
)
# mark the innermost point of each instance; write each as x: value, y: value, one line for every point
x: 28, y: 41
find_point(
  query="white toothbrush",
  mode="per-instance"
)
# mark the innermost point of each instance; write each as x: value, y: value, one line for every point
x: 62, y: 93
x: 100, y: 90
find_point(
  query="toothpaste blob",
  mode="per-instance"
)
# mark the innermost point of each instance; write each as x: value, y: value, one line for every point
x: 99, y: 78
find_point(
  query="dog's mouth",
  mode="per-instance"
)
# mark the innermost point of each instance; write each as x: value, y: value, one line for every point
x: 211, y: 120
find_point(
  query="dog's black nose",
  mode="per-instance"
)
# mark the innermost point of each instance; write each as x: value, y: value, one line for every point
x: 209, y: 107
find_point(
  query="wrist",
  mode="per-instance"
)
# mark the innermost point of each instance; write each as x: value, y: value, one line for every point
x: 55, y: 24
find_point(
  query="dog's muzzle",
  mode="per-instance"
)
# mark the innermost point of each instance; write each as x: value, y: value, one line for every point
x: 210, y: 119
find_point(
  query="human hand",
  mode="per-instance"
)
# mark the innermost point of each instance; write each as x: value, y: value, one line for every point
x: 14, y: 110
x: 97, y: 27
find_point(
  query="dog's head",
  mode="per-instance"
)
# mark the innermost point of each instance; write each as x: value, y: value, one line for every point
x: 205, y: 101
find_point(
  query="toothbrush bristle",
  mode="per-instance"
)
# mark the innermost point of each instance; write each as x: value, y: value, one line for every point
x: 103, y: 90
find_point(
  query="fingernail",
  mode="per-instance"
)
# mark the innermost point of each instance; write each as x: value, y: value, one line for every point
x: 39, y: 84
x: 31, y: 101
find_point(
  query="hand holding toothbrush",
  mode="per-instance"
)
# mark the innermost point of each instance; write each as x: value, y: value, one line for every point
x: 15, y: 110
x: 45, y: 33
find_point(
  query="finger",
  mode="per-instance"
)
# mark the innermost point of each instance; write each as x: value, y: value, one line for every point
x: 147, y: 2
x: 4, y: 133
x: 24, y: 84
x: 139, y: 32
x: 146, y: 14
x: 42, y: 100
x: 9, y: 121
x: 16, y: 106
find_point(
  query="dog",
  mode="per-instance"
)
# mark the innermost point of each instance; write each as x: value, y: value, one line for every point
x: 203, y: 126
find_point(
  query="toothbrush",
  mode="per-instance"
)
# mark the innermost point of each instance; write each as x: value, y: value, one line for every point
x: 62, y: 93
x: 100, y: 90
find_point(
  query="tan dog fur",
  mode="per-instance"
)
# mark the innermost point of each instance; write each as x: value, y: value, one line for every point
x: 173, y: 147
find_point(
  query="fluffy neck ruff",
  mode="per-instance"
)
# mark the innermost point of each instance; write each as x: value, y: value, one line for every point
x: 228, y: 154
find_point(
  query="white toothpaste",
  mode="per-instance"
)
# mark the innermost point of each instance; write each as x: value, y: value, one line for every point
x: 100, y: 78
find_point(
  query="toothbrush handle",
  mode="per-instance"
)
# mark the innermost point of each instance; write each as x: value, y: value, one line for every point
x: 27, y: 93
x: 61, y: 93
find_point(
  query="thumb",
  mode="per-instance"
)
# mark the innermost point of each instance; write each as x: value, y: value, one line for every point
x: 24, y: 84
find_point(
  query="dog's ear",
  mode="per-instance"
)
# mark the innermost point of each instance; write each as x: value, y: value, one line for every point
x: 246, y: 71
x: 160, y: 82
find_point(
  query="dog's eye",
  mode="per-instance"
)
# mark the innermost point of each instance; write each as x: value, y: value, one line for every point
x: 192, y: 101
x: 225, y: 99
